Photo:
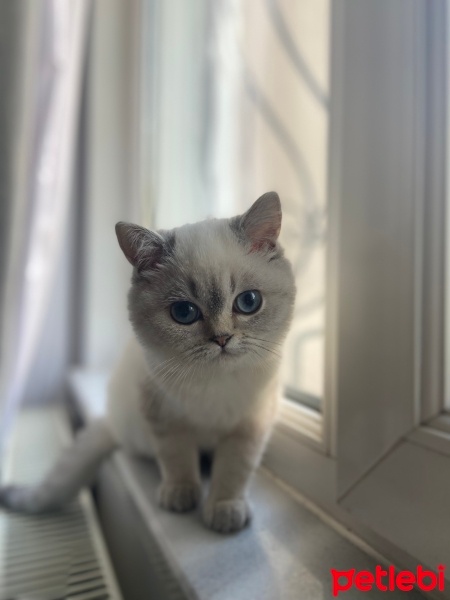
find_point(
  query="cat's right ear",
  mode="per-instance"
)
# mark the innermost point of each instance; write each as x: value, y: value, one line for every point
x: 142, y: 248
x: 261, y: 224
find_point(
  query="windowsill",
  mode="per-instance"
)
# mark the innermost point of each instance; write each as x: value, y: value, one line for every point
x: 302, y: 422
x: 404, y: 488
x: 434, y: 436
x: 287, y: 552
x: 442, y: 423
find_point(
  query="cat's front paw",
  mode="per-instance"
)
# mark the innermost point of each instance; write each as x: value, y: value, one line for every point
x: 227, y: 516
x: 179, y: 497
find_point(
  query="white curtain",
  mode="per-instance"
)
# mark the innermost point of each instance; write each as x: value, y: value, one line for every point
x: 49, y: 62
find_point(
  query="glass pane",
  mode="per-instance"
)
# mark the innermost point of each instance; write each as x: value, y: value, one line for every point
x: 286, y: 131
x: 254, y: 118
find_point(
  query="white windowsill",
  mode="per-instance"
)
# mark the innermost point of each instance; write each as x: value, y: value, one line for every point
x: 287, y: 552
x: 434, y: 436
x: 302, y: 422
x: 442, y: 423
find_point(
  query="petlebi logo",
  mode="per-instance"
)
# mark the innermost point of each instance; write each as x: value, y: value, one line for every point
x: 388, y: 580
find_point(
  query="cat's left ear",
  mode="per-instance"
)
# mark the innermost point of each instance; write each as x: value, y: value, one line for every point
x: 261, y: 224
x: 142, y: 248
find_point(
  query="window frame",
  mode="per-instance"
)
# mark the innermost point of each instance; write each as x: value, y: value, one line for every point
x: 365, y: 503
x: 430, y: 404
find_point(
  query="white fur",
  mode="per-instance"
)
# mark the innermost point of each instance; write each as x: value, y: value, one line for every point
x: 175, y: 390
x: 212, y: 408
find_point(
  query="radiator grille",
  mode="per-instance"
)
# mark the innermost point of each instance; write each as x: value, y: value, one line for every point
x: 54, y: 556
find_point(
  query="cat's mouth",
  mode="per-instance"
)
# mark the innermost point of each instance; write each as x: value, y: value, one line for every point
x: 224, y: 353
x: 227, y: 353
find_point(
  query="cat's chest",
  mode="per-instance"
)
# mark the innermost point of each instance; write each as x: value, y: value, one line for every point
x: 220, y: 403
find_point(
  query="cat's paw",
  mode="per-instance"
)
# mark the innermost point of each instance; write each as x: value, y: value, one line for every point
x: 227, y: 516
x: 179, y: 497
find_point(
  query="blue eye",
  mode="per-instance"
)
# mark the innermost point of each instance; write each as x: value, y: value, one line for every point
x: 248, y: 302
x: 184, y: 312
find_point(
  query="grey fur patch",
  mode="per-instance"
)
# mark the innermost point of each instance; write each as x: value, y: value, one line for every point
x: 278, y: 253
x: 216, y: 299
x: 143, y: 270
x: 193, y: 287
x: 169, y: 241
x: 236, y: 227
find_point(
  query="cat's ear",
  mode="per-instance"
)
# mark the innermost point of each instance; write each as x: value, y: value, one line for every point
x: 261, y: 224
x: 142, y: 248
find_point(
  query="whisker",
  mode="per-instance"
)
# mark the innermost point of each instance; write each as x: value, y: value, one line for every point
x: 263, y: 340
x: 161, y: 366
x: 264, y: 358
x: 274, y: 352
x: 174, y: 361
x: 178, y: 374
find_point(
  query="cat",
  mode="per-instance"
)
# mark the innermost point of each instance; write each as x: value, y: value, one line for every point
x: 210, y: 304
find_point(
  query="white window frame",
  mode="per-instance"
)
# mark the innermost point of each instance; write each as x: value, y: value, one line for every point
x: 387, y: 459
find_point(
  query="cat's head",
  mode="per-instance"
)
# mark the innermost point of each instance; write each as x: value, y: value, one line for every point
x: 218, y: 293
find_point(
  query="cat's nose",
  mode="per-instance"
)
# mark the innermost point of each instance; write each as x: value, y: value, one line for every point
x: 222, y: 340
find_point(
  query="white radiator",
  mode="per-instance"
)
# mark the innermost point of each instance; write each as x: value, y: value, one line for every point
x: 55, y: 556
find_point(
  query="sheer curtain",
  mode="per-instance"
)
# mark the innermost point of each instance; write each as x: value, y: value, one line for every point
x: 47, y: 58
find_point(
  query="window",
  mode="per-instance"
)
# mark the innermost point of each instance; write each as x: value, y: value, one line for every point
x: 391, y: 193
x: 254, y: 117
x: 386, y: 412
x: 369, y: 251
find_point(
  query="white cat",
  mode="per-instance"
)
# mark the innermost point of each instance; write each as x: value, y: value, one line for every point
x: 210, y: 305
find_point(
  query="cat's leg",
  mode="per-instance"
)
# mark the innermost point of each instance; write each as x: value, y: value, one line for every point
x: 178, y: 459
x: 76, y: 467
x: 236, y: 457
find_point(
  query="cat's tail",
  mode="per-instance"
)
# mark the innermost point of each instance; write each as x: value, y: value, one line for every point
x: 75, y: 468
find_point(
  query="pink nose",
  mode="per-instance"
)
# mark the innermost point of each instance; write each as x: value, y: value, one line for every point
x: 222, y: 340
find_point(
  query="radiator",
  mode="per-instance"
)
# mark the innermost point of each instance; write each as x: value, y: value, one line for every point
x: 54, y: 556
